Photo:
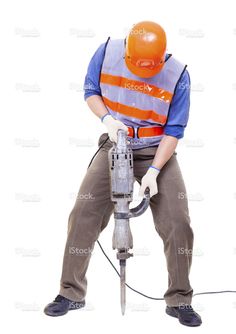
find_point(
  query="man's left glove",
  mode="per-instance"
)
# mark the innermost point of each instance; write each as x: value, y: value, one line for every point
x: 113, y: 125
x: 149, y: 180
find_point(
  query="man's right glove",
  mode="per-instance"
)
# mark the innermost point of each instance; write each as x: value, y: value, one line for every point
x: 113, y: 126
x: 149, y: 180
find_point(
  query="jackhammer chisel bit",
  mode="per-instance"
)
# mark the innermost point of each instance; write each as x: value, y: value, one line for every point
x: 122, y: 181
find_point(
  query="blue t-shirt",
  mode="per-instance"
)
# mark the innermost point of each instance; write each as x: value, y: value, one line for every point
x: 179, y: 109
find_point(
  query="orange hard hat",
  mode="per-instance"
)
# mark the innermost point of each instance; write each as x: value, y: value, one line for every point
x: 145, y: 49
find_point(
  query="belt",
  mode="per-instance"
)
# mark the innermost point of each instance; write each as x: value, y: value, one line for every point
x: 146, y: 132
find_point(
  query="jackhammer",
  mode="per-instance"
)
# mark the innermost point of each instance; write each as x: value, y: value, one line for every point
x: 121, y: 181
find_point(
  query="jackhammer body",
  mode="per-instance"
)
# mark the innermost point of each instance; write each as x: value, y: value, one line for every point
x: 122, y: 181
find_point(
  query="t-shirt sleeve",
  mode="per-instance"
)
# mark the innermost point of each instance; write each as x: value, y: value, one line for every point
x: 179, y: 109
x: 92, y: 78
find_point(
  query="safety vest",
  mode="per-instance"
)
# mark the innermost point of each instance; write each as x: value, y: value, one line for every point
x: 142, y: 104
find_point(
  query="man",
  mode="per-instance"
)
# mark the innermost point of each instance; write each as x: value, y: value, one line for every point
x: 133, y: 84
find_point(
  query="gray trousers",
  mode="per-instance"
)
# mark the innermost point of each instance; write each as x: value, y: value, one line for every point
x: 92, y: 211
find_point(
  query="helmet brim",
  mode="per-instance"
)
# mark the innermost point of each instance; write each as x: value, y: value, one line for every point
x: 142, y: 72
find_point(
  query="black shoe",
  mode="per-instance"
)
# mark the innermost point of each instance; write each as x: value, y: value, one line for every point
x: 186, y: 315
x: 61, y: 306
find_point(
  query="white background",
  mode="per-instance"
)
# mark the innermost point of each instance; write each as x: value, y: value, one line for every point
x: 48, y: 136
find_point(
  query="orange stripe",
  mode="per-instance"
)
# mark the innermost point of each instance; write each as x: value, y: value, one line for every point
x: 138, y: 86
x: 130, y: 132
x: 146, y: 132
x: 150, y: 132
x: 134, y: 112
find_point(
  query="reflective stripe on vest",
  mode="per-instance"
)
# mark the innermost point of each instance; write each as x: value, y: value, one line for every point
x: 138, y: 102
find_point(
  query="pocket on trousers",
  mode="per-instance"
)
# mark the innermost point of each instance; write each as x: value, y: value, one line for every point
x: 102, y: 138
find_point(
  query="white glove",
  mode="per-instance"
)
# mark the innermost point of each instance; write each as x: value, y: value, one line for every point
x: 113, y: 126
x: 149, y: 180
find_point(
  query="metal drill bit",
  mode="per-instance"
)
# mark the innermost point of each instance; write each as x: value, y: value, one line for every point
x: 122, y: 286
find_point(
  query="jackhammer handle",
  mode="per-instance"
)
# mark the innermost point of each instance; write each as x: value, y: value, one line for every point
x: 121, y: 134
x: 142, y: 207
